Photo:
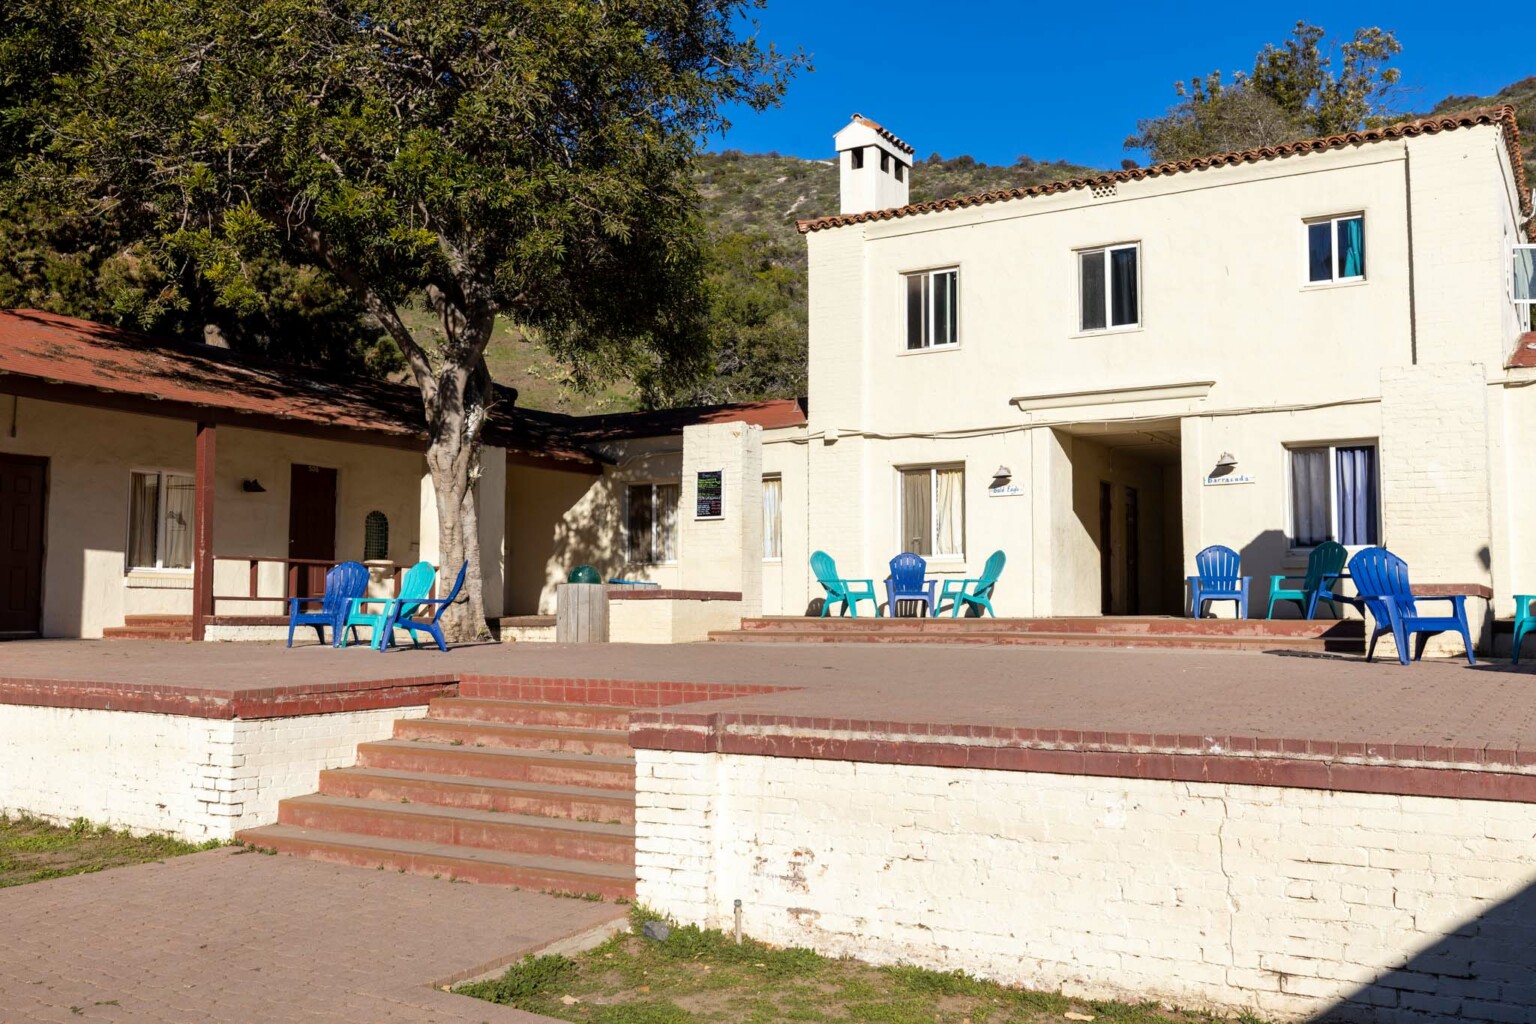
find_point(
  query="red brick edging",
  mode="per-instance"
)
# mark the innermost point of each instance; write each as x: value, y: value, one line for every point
x: 619, y: 692
x: 1456, y: 773
x: 213, y: 702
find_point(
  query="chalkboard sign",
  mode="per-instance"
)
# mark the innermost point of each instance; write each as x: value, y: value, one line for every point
x: 709, y: 500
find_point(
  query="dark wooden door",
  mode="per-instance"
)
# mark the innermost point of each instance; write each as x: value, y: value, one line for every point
x: 1106, y: 549
x: 23, y: 481
x: 312, y: 525
x: 1132, y: 553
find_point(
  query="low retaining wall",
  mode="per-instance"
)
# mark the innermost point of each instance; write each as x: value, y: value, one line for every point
x: 645, y: 615
x: 193, y: 762
x: 1288, y: 900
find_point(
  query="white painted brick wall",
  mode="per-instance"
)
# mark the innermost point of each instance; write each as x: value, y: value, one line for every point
x: 198, y: 778
x: 1285, y: 902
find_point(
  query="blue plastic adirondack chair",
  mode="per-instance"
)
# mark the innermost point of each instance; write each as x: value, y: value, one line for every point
x: 414, y: 589
x: 343, y: 583
x: 1324, y: 566
x: 1220, y: 579
x: 1381, y: 579
x: 1524, y: 621
x: 850, y: 592
x: 977, y: 592
x: 402, y: 618
x: 905, y: 583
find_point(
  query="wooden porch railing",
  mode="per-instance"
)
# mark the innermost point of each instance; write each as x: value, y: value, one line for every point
x: 294, y: 567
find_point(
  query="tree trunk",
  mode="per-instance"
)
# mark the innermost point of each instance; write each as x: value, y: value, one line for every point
x: 458, y: 529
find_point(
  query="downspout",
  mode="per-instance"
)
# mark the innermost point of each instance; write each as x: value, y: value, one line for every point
x: 1413, y: 313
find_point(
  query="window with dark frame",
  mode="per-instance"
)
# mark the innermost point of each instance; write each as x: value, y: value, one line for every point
x: 932, y: 511
x: 375, y: 537
x: 1109, y: 287
x: 933, y: 315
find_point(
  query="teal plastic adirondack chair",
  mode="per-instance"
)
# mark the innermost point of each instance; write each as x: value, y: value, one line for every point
x: 1524, y: 621
x: 977, y: 592
x: 850, y: 592
x: 1324, y: 567
x: 414, y: 588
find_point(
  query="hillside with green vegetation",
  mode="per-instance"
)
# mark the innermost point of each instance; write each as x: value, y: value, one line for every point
x: 1522, y: 95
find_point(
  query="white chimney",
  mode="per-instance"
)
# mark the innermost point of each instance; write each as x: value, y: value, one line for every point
x: 875, y: 167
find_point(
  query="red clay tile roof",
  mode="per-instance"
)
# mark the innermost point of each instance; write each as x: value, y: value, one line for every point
x: 48, y: 356
x: 884, y: 132
x: 1502, y: 116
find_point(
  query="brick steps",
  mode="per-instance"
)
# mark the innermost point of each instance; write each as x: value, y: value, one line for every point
x: 510, y: 712
x: 552, y: 767
x: 1043, y: 639
x: 458, y: 826
x: 504, y: 792
x: 1340, y: 636
x: 456, y: 863
x: 609, y: 742
x: 151, y: 627
x: 576, y: 803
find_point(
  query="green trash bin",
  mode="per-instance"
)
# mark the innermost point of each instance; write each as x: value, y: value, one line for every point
x: 583, y: 574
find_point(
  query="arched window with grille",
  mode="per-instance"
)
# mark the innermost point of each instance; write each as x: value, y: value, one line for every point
x: 375, y: 537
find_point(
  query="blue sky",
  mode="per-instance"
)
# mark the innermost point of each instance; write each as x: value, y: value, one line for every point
x: 1067, y: 81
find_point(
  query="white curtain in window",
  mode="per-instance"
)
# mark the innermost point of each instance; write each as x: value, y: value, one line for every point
x: 917, y: 511
x: 773, y: 537
x: 666, y: 522
x: 180, y: 508
x: 638, y: 524
x: 143, y: 507
x: 948, y: 512
x: 1309, y: 495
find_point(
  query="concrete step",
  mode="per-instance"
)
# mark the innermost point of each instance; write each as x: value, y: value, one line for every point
x: 457, y: 863
x: 527, y: 713
x: 182, y: 621
x: 574, y: 803
x: 477, y: 734
x: 456, y: 826
x: 1146, y: 625
x: 1041, y: 639
x: 504, y: 764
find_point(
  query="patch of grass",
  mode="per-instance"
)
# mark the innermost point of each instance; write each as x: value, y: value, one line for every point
x: 33, y: 850
x: 700, y: 976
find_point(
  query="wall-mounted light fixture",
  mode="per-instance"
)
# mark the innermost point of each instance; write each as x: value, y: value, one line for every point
x: 1002, y: 473
x: 252, y: 486
x: 1226, y: 460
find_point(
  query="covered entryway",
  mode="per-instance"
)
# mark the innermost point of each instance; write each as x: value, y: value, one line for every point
x: 1127, y: 496
x: 23, y: 485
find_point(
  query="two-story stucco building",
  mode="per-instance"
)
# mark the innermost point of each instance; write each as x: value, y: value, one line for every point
x: 1101, y: 377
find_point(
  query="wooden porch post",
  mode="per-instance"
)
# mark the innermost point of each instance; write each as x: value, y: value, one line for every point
x: 202, y: 543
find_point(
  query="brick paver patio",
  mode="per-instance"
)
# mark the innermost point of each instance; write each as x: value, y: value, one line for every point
x: 241, y: 937
x: 1435, y: 703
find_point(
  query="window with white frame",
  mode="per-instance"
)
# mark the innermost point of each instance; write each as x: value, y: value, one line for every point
x: 933, y: 511
x: 1335, y: 494
x: 1522, y: 283
x: 773, y: 518
x: 161, y: 507
x: 651, y: 523
x: 1336, y: 249
x: 1109, y: 287
x: 933, y: 315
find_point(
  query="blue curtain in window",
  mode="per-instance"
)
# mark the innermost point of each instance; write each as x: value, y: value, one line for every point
x: 1357, y: 495
x: 1351, y: 247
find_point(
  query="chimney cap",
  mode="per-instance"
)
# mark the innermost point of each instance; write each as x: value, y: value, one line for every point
x: 881, y: 131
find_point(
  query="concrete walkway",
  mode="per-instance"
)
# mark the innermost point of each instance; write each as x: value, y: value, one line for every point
x: 243, y: 937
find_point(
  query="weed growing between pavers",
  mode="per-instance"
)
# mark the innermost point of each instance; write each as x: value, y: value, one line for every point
x: 33, y: 850
x: 699, y: 976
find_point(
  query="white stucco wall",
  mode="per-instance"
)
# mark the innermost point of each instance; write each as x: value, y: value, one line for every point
x: 197, y: 778
x: 1280, y: 901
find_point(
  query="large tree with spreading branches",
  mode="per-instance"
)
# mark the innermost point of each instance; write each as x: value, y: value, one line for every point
x: 516, y: 159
